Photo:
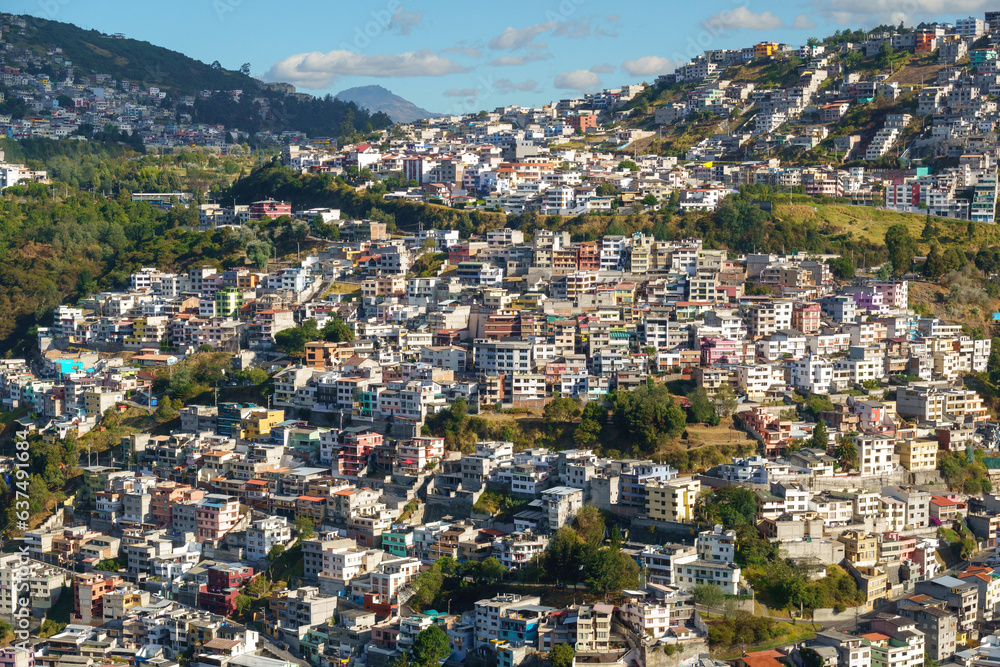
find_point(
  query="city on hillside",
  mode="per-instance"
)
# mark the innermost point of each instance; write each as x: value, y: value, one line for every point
x: 698, y: 372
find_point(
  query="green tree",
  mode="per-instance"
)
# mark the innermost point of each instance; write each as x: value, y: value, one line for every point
x: 561, y: 560
x: 610, y: 570
x: 629, y: 165
x: 993, y: 365
x: 108, y: 565
x: 708, y: 595
x: 934, y: 266
x: 841, y: 268
x: 885, y: 271
x: 589, y: 525
x: 733, y: 506
x: 243, y: 603
x: 336, y: 330
x: 648, y: 415
x: 846, y: 452
x: 430, y: 647
x: 650, y: 200
x: 701, y: 410
x: 165, y: 411
x: 491, y: 570
x: 725, y: 401
x: 426, y: 587
x: 257, y: 586
x: 901, y: 248
x: 561, y: 409
x: 305, y: 527
x: 561, y: 655
x: 820, y: 438
x: 293, y: 341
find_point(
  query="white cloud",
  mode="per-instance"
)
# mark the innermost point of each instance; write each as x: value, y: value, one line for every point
x: 464, y: 49
x: 581, y: 79
x: 649, y: 65
x: 609, y: 29
x: 319, y: 70
x: 742, y: 18
x: 606, y: 68
x: 856, y: 13
x: 516, y: 61
x: 512, y: 38
x: 461, y: 92
x: 516, y: 39
x: 803, y: 22
x: 403, y: 21
x: 508, y: 86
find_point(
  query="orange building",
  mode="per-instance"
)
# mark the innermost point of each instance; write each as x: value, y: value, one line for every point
x: 765, y: 49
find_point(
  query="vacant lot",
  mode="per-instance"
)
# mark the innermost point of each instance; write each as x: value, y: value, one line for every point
x: 862, y: 222
x: 919, y: 71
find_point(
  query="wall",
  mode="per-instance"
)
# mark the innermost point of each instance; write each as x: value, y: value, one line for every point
x: 829, y: 552
x: 653, y: 656
x: 828, y: 615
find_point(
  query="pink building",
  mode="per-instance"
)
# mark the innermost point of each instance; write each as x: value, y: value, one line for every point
x: 217, y: 515
x: 354, y: 449
x: 719, y: 350
x: 894, y: 294
x: 806, y: 317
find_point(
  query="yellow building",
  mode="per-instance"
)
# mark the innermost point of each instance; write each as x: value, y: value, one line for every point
x: 916, y: 455
x: 872, y: 581
x: 257, y: 425
x: 529, y: 301
x: 673, y: 500
x: 860, y: 547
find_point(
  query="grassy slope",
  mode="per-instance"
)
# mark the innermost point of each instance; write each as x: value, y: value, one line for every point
x: 871, y: 224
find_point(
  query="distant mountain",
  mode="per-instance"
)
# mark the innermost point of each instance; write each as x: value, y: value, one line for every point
x: 377, y: 98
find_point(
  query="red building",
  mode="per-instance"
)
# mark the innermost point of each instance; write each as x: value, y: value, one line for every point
x: 270, y: 208
x: 460, y: 252
x: 224, y: 582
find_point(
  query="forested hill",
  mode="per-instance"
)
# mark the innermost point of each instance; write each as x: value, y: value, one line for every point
x: 92, y: 52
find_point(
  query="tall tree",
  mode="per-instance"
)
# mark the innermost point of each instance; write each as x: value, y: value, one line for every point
x: 589, y: 525
x: 611, y: 570
x: 562, y: 556
x: 820, y: 436
x: 901, y: 248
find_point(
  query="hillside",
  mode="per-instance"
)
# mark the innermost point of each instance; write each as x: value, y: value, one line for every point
x: 91, y: 51
x: 377, y: 98
x: 261, y: 106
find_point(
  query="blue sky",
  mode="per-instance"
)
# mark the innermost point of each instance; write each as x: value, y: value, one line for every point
x: 455, y: 57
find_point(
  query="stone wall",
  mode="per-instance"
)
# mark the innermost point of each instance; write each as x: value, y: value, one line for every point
x: 654, y: 656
